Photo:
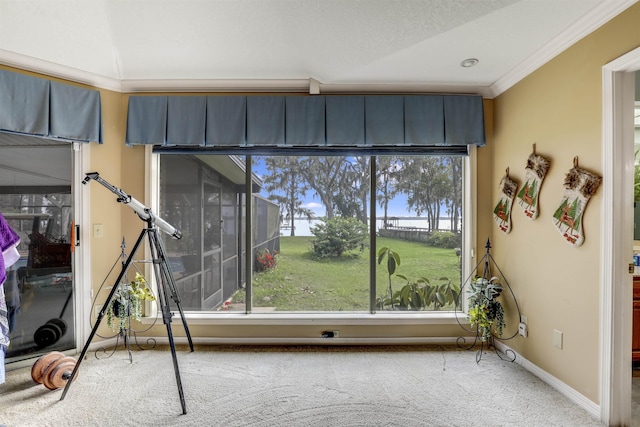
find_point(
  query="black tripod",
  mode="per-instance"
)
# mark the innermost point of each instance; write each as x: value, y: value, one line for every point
x: 164, y: 278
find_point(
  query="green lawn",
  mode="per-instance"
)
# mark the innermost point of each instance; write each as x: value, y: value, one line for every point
x: 303, y: 282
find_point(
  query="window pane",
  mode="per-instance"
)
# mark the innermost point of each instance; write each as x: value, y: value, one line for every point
x: 319, y: 206
x: 419, y: 224
x: 180, y: 195
x: 310, y: 232
x: 200, y: 196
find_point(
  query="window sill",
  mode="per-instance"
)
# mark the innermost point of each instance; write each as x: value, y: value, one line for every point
x: 404, y: 318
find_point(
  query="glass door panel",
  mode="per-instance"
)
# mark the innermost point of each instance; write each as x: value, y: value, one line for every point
x: 35, y: 200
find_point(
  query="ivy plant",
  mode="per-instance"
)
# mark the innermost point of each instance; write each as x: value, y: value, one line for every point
x: 485, y: 311
x: 127, y: 303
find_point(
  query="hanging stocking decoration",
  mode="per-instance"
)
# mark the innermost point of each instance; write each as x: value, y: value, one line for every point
x: 502, y: 211
x: 579, y: 185
x: 534, y: 173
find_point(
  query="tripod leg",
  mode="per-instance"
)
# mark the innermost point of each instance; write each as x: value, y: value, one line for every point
x: 161, y: 268
x: 167, y: 278
x: 175, y: 363
x: 102, y: 312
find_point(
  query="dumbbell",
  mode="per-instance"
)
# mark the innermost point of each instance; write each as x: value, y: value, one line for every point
x: 53, y: 369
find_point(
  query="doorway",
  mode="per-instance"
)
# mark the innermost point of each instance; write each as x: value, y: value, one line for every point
x: 635, y: 388
x: 36, y: 199
x: 617, y: 238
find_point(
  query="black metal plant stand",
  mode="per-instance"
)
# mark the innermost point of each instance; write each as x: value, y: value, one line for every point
x: 124, y: 334
x: 166, y: 284
x: 487, y: 262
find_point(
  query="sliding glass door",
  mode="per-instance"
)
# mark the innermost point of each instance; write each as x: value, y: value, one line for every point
x: 36, y: 201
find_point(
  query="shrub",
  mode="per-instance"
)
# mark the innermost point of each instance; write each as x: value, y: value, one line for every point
x: 416, y: 294
x: 338, y: 235
x: 445, y: 239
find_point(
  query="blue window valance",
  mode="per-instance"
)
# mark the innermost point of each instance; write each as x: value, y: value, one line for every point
x: 341, y: 121
x: 39, y: 107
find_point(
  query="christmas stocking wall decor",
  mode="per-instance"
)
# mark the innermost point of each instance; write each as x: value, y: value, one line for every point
x: 502, y: 211
x: 534, y: 173
x: 580, y: 185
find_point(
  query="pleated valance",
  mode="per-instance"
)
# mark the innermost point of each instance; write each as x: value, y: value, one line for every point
x: 312, y: 122
x: 40, y: 107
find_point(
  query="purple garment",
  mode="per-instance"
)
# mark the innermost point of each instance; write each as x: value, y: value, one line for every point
x: 8, y: 238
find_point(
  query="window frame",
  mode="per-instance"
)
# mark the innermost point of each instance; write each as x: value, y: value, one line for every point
x: 381, y: 318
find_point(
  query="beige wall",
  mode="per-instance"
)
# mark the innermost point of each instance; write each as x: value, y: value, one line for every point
x: 122, y: 167
x: 484, y: 183
x: 559, y: 108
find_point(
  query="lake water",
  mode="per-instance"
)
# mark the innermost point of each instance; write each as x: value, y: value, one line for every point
x: 303, y: 227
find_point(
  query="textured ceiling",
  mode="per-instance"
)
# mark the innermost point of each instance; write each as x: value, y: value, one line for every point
x: 401, y: 45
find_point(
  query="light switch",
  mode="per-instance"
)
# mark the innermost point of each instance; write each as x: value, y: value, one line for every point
x: 557, y: 339
x: 98, y: 230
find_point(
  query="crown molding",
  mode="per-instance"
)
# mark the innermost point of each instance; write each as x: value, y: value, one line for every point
x: 404, y: 88
x: 590, y: 22
x: 51, y: 69
x: 310, y: 86
x: 216, y: 85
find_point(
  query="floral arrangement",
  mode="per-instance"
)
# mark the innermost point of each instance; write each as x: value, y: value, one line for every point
x: 485, y: 312
x: 265, y: 260
x: 128, y: 303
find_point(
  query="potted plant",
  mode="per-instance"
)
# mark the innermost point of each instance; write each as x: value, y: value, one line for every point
x: 127, y: 303
x: 485, y: 311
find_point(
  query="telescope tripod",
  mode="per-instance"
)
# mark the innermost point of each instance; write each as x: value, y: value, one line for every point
x: 166, y: 289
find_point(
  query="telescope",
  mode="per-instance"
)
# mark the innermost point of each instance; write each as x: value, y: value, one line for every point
x: 166, y: 285
x: 141, y: 210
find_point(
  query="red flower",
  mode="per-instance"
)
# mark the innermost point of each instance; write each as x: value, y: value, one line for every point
x: 265, y: 260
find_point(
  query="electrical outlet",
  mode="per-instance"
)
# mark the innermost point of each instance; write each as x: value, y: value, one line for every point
x: 522, y: 329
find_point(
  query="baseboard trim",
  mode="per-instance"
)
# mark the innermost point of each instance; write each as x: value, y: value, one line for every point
x: 567, y: 391
x: 308, y: 341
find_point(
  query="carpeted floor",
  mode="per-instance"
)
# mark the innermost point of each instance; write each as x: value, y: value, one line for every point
x: 635, y: 401
x: 293, y: 386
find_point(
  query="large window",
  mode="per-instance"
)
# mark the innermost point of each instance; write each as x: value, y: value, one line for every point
x: 328, y: 233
